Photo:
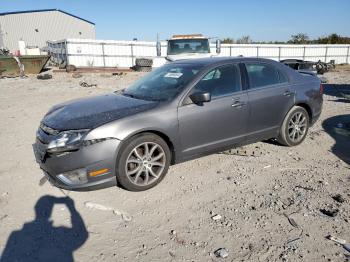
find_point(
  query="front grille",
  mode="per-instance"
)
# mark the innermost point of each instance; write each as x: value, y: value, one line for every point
x: 39, y: 151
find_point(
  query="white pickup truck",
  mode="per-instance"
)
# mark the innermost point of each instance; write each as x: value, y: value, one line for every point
x: 181, y: 47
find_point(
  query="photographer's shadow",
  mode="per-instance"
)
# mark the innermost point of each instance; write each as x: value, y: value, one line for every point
x: 39, y: 240
x: 338, y: 127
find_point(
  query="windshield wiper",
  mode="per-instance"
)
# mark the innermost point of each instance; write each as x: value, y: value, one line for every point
x: 140, y: 97
x: 130, y: 95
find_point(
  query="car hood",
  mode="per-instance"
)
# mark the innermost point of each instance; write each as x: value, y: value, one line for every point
x: 92, y: 112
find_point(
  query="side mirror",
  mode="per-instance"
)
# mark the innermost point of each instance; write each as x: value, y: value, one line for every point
x: 218, y: 46
x: 200, y: 98
x: 159, y: 49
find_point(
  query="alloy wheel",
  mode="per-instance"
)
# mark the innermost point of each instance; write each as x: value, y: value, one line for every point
x: 297, y: 127
x: 145, y: 163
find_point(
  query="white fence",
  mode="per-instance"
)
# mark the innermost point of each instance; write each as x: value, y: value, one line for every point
x: 122, y: 54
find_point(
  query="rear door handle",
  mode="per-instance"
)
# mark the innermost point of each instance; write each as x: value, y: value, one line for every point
x: 288, y: 93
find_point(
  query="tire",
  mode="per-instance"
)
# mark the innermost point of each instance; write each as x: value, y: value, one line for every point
x: 44, y: 76
x: 143, y: 62
x: 300, y: 127
x: 132, y: 176
x: 142, y: 68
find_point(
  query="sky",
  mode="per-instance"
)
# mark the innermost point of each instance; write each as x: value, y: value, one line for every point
x: 262, y: 20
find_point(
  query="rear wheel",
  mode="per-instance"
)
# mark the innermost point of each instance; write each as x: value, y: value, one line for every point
x: 295, y: 127
x: 143, y: 162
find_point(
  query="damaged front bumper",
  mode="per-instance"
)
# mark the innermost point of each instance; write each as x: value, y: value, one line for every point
x: 88, y: 168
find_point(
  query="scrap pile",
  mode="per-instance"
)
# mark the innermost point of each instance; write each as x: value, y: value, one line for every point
x: 319, y: 67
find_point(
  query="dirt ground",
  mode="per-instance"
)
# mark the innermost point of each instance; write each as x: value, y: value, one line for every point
x: 269, y: 197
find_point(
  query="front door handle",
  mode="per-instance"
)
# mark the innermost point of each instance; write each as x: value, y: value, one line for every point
x: 238, y: 104
x: 288, y: 93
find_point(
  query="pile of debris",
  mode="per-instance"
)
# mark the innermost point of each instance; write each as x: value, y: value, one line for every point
x: 319, y: 67
x: 4, y: 51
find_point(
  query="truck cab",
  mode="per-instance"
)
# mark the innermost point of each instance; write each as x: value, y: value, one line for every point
x: 191, y: 46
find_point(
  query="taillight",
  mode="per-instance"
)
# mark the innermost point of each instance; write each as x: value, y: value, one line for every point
x: 321, y: 89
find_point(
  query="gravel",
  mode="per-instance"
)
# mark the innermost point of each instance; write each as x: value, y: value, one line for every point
x: 252, y: 188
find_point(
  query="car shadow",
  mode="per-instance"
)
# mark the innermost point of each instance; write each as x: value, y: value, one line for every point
x: 39, y: 240
x: 272, y: 141
x: 340, y: 91
x: 338, y: 127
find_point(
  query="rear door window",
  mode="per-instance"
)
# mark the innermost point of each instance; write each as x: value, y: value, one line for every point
x: 263, y: 75
x: 283, y: 77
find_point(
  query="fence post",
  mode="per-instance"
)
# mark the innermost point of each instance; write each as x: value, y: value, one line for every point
x: 279, y: 53
x: 230, y: 50
x: 132, y: 54
x: 66, y: 52
x: 304, y: 52
x: 103, y: 54
x: 257, y: 51
x: 347, y: 55
x: 326, y: 55
x: 61, y: 52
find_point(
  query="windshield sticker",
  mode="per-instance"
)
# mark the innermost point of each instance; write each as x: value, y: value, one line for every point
x: 173, y: 75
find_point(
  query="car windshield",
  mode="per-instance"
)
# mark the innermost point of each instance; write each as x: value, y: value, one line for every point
x: 181, y: 46
x: 164, y: 83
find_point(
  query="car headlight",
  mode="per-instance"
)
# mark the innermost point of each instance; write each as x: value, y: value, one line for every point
x: 67, y: 141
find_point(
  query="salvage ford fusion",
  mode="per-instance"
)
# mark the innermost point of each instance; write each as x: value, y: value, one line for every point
x: 181, y: 111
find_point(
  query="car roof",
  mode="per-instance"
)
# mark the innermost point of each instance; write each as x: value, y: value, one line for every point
x: 218, y: 60
x: 211, y: 62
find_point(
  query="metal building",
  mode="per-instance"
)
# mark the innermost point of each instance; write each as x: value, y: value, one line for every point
x: 35, y: 27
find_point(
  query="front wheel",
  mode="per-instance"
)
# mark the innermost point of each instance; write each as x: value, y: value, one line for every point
x: 295, y: 127
x: 143, y: 162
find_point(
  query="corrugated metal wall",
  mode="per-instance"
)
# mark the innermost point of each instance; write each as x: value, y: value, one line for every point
x: 1, y: 38
x: 36, y: 28
x: 106, y: 53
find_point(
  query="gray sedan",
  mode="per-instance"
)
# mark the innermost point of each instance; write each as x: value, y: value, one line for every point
x: 181, y: 111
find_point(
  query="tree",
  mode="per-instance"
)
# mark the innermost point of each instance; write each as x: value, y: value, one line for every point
x: 228, y: 41
x: 244, y: 40
x: 300, y: 38
x: 333, y: 39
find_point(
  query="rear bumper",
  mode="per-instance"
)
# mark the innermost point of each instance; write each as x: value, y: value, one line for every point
x: 317, y: 111
x: 85, y: 161
x: 315, y: 118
